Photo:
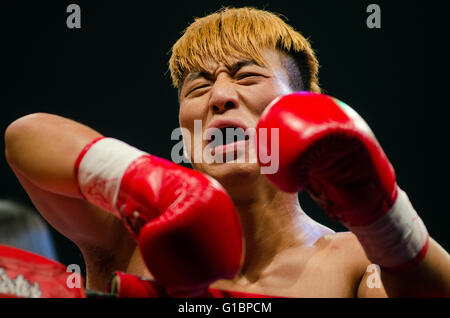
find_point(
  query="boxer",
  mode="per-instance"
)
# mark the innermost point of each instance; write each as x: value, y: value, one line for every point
x: 132, y: 212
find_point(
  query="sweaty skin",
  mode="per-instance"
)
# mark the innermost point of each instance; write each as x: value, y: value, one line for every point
x: 287, y: 253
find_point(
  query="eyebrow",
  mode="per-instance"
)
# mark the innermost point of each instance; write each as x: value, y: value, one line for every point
x: 209, y: 76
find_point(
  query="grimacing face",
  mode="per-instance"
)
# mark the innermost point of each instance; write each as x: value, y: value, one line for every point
x: 234, y: 97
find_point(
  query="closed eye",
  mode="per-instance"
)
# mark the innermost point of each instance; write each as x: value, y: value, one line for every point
x: 246, y: 75
x: 197, y: 88
x: 248, y: 78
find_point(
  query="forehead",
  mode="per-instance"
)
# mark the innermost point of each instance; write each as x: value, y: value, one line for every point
x: 271, y: 60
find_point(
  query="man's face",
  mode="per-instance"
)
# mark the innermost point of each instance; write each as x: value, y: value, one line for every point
x: 220, y: 97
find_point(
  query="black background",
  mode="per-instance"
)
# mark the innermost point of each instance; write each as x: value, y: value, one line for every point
x: 112, y: 75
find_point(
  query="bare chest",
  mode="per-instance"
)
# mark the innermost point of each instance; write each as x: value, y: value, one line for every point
x: 303, y: 276
x: 298, y: 274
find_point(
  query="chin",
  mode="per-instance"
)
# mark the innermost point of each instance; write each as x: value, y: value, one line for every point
x: 231, y: 173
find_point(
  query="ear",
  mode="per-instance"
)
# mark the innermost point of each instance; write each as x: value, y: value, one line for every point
x: 186, y: 137
x: 294, y: 72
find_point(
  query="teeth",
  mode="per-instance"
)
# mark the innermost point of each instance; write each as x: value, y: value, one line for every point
x: 233, y: 134
x: 227, y: 135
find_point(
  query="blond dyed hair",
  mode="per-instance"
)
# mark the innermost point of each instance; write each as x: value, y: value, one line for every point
x: 242, y: 33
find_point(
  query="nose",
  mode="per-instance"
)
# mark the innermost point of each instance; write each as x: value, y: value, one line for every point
x: 223, y: 96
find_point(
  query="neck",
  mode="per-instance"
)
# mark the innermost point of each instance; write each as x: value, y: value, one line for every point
x: 272, y: 222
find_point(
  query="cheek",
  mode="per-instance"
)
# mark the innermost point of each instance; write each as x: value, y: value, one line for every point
x: 188, y: 113
x: 184, y: 120
x: 190, y: 120
x: 262, y: 95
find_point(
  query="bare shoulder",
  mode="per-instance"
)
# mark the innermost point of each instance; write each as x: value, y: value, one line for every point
x: 343, y: 247
x: 343, y: 252
x: 331, y: 267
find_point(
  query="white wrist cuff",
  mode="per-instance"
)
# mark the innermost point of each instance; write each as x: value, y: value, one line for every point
x: 396, y: 238
x: 101, y: 170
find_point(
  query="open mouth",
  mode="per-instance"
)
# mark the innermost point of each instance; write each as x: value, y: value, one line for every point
x: 228, y: 135
x: 227, y: 140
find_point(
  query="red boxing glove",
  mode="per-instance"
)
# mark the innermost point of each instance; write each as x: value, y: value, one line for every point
x: 186, y: 225
x: 28, y: 275
x: 131, y: 286
x: 326, y: 148
x: 125, y: 285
